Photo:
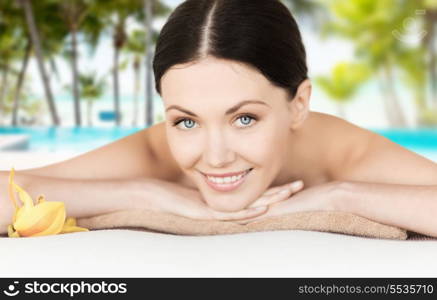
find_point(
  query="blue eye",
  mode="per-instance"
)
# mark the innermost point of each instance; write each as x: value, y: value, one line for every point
x: 186, y: 122
x: 183, y: 121
x: 245, y: 120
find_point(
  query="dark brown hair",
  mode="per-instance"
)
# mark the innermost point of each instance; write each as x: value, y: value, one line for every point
x: 260, y: 33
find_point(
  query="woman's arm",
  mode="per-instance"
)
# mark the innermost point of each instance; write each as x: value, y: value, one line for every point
x: 82, y: 197
x: 412, y: 207
x: 86, y: 197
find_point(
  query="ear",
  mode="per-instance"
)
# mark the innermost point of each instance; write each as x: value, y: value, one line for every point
x: 299, y: 106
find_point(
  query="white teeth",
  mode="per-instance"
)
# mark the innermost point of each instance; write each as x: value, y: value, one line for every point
x: 221, y: 180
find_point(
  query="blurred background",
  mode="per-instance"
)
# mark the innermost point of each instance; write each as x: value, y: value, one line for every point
x: 76, y: 74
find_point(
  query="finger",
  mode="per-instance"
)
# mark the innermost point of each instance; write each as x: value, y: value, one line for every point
x: 279, y: 196
x: 239, y: 215
x: 250, y: 220
x: 280, y: 191
x: 276, y: 189
x: 244, y: 222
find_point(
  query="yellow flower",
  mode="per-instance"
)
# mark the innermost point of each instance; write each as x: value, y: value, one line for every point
x: 44, y: 218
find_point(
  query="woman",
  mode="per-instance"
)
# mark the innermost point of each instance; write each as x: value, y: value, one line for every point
x: 233, y: 78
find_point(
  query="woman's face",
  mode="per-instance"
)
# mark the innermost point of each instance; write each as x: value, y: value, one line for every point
x: 212, y: 130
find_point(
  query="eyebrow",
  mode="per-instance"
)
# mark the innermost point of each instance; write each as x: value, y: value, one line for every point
x: 228, y: 112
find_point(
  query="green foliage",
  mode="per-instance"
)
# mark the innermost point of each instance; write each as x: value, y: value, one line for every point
x: 369, y: 25
x: 344, y: 81
x: 380, y: 32
x: 428, y: 117
x: 430, y: 4
x: 29, y: 105
x: 136, y: 42
x: 91, y: 87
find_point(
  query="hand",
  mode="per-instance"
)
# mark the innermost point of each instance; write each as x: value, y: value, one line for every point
x: 315, y: 198
x: 173, y: 198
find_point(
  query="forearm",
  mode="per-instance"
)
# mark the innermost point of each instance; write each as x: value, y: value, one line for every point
x: 410, y: 207
x: 82, y: 198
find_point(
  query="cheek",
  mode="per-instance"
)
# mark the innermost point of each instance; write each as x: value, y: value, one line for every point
x: 263, y: 146
x: 183, y: 148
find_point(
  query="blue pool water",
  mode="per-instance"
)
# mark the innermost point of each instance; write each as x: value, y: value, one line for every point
x: 75, y: 139
x: 422, y: 141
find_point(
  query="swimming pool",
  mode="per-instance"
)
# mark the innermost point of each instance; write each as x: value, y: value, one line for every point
x: 64, y: 139
x: 422, y: 141
x: 83, y: 139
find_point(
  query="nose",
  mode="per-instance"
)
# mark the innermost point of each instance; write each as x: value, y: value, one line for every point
x: 217, y: 152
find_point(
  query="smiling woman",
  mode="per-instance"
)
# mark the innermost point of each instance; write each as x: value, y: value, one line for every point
x: 228, y: 91
x: 213, y: 131
x: 233, y: 78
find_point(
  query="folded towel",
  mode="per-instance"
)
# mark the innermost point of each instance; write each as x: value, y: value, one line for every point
x: 327, y: 221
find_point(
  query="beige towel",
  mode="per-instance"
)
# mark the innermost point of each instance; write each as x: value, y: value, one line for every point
x: 328, y: 221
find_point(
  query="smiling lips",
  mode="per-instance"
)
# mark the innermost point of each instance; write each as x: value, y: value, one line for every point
x: 227, y: 183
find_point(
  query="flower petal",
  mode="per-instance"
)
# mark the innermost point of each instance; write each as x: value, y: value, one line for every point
x: 40, y: 199
x: 24, y: 196
x: 70, y: 226
x: 39, y: 217
x: 55, y: 227
x: 12, y: 232
x: 11, y: 190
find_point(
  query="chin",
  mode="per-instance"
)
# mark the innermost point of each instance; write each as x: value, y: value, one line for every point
x: 226, y: 204
x: 225, y: 208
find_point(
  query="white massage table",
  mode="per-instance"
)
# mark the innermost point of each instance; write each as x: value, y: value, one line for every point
x: 132, y: 253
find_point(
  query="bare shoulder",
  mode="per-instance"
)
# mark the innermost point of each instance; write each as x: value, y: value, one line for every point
x: 343, y: 142
x: 370, y: 157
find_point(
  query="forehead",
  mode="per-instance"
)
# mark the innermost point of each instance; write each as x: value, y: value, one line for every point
x: 213, y: 79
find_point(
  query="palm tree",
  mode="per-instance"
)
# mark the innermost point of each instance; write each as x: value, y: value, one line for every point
x: 7, y: 55
x: 151, y: 8
x: 30, y: 108
x: 136, y: 46
x: 429, y: 43
x: 12, y: 22
x: 116, y: 14
x: 342, y: 84
x: 20, y: 80
x: 74, y: 12
x: 369, y: 24
x: 14, y: 45
x: 148, y: 12
x: 91, y: 89
x: 36, y: 41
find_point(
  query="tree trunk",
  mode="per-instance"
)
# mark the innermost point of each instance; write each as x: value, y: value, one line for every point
x: 429, y: 44
x: 116, y: 89
x: 3, y: 89
x: 75, y: 74
x: 388, y: 112
x: 27, y: 7
x: 393, y: 106
x: 148, y: 11
x: 433, y: 72
x: 89, y: 112
x: 20, y: 83
x: 341, y: 111
x: 137, y: 69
